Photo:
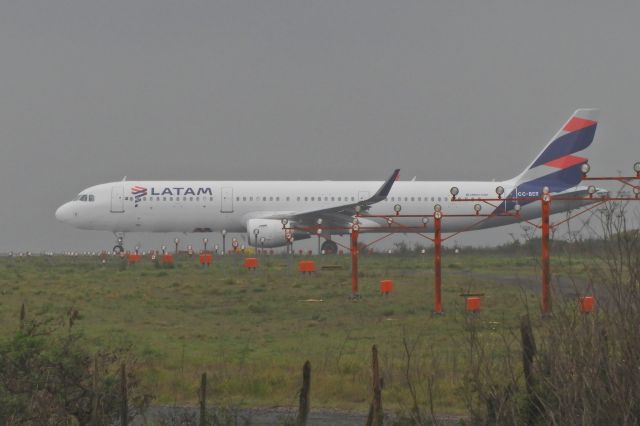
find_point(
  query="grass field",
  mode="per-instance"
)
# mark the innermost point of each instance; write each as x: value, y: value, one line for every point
x: 251, y: 331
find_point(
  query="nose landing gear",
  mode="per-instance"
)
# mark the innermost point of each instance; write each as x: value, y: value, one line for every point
x: 119, y: 247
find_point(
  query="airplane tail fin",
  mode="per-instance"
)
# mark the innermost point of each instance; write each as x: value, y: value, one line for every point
x: 557, y: 166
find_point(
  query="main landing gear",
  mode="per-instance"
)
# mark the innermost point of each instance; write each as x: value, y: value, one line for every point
x: 329, y: 247
x: 119, y: 247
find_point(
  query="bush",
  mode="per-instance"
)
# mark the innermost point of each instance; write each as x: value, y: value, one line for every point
x: 47, y: 376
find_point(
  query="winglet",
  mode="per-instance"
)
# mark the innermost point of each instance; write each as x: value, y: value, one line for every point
x: 386, y: 186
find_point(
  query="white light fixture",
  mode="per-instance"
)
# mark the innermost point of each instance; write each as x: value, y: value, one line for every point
x: 437, y: 208
x: 319, y: 231
x: 256, y: 231
x: 636, y: 167
x: 425, y: 220
x: 355, y: 227
x: 454, y: 191
x: 546, y: 190
x: 517, y: 208
x: 477, y: 208
x: 591, y: 189
x: 438, y: 215
x: 397, y: 208
x: 284, y: 221
x: 358, y: 208
x: 585, y: 168
x: 499, y: 191
x: 319, y: 221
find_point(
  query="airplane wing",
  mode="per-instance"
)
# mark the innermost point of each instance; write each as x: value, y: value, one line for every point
x: 338, y: 215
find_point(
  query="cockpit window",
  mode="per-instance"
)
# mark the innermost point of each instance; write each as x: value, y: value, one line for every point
x: 91, y: 197
x: 83, y: 197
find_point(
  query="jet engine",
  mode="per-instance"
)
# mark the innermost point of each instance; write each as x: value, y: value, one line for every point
x: 272, y: 232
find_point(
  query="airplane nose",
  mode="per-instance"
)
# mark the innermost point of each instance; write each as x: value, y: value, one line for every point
x: 63, y: 214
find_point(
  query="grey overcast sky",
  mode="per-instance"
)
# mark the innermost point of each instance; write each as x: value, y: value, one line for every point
x: 91, y: 91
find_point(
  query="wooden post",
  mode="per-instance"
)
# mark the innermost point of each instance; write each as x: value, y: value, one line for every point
x: 124, y: 406
x: 23, y: 316
x: 303, y: 409
x: 203, y: 400
x: 528, y: 351
x: 94, y: 393
x: 376, y: 411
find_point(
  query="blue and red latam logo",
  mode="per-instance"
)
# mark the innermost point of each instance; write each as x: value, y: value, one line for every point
x: 138, y: 192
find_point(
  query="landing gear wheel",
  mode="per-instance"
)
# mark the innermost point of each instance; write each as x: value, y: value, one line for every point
x: 329, y: 247
x: 118, y: 249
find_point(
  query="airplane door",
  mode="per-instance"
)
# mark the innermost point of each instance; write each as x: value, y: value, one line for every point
x: 363, y: 195
x: 226, y: 200
x: 117, y: 198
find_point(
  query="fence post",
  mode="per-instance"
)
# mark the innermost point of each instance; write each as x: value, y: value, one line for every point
x: 375, y: 412
x: 303, y: 409
x: 124, y: 407
x: 203, y: 400
x: 23, y: 316
x: 94, y: 392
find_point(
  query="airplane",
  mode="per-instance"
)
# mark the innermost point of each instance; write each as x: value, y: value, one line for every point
x: 264, y: 208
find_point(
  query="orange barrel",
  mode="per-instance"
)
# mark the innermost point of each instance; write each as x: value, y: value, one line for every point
x: 473, y: 304
x: 251, y: 263
x: 386, y: 286
x: 587, y: 304
x: 307, y: 266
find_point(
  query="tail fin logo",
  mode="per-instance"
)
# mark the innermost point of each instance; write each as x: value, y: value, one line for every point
x: 557, y: 166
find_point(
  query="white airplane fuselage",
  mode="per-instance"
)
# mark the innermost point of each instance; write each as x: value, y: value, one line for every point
x: 209, y: 206
x: 262, y: 207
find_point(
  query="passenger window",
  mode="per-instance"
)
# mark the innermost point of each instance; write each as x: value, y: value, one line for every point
x: 250, y: 198
x: 339, y: 198
x: 270, y: 198
x: 244, y: 198
x: 237, y: 198
x: 306, y: 198
x: 353, y: 198
x: 264, y: 198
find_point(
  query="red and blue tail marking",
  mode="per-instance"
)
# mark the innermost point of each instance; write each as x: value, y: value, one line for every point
x: 557, y: 166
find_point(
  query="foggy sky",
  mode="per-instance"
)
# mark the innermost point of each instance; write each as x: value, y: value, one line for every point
x: 93, y: 91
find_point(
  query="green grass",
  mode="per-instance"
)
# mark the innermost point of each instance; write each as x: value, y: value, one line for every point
x: 251, y: 331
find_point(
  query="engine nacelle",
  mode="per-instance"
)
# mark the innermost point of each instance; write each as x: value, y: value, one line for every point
x: 271, y: 230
